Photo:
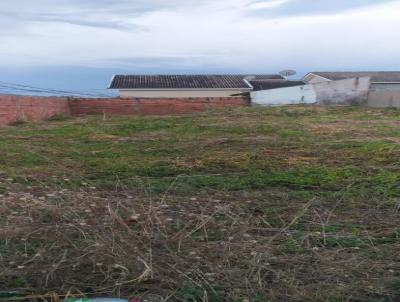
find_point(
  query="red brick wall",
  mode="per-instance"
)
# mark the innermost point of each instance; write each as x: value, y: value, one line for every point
x: 14, y: 108
x: 151, y: 106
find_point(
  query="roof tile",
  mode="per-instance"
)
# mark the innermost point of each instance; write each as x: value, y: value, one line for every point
x: 186, y: 81
x: 376, y: 76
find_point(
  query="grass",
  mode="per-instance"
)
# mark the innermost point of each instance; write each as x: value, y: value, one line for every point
x: 297, y: 203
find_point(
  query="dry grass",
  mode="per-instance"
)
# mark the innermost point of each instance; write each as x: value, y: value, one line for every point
x: 325, y: 234
x: 127, y: 244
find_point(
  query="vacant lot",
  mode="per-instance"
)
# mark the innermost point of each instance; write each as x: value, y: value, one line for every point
x: 272, y: 204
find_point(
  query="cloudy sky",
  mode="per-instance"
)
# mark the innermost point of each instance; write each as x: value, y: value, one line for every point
x: 75, y: 44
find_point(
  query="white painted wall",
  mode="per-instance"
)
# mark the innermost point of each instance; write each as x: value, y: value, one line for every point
x: 284, y: 96
x: 178, y: 93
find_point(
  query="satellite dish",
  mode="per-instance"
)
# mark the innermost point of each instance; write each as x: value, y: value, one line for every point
x: 288, y: 73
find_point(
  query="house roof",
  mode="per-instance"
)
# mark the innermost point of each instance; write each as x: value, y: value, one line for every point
x: 186, y: 81
x: 273, y: 84
x: 376, y: 76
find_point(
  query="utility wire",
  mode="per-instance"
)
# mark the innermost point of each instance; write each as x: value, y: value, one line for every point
x: 51, y: 91
x: 13, y: 85
x: 48, y: 92
x: 34, y: 89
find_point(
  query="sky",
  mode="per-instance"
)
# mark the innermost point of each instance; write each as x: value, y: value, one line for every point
x: 78, y: 45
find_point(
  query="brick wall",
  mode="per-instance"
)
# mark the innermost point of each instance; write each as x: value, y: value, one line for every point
x: 13, y: 108
x: 151, y: 106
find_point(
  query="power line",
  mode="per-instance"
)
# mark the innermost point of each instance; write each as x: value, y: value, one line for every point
x: 10, y: 88
x: 34, y: 89
x: 52, y: 91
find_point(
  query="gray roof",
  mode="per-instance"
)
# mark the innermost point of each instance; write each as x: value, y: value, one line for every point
x: 186, y: 81
x: 376, y: 76
x: 274, y: 84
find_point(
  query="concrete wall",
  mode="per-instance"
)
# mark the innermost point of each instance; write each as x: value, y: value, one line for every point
x: 344, y: 92
x: 304, y: 94
x: 384, y: 99
x: 351, y: 92
x: 384, y: 95
x: 14, y: 108
x: 179, y: 93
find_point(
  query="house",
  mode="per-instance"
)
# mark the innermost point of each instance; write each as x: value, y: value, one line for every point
x: 318, y: 88
x: 383, y: 89
x: 187, y: 86
x: 380, y: 80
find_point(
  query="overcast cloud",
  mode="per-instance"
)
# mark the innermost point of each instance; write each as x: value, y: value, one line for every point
x: 193, y: 36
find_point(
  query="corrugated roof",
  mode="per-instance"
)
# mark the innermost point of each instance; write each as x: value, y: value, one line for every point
x: 273, y: 84
x: 376, y: 76
x: 185, y: 81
